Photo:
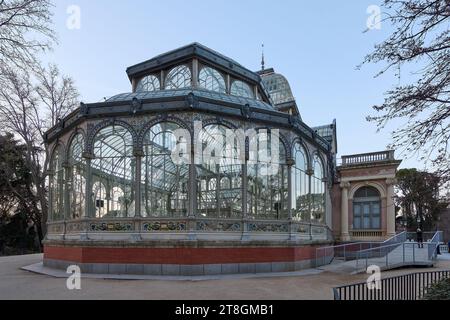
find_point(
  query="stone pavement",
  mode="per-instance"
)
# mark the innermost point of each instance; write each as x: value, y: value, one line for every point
x: 16, y: 283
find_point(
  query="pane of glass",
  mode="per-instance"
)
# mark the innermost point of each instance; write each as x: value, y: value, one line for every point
x: 239, y: 88
x: 357, y: 222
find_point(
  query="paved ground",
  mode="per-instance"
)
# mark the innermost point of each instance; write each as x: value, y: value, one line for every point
x: 19, y: 284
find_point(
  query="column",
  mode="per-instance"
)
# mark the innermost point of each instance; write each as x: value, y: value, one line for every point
x: 345, y: 236
x: 138, y: 154
x: 290, y: 162
x: 390, y: 208
x: 194, y: 73
x: 67, y: 189
x: 89, y: 207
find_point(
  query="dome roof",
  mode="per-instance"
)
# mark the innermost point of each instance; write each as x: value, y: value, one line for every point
x: 277, y: 86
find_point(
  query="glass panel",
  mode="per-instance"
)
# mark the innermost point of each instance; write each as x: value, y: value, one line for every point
x: 148, y: 83
x: 300, y: 190
x: 112, y: 169
x: 318, y: 191
x: 376, y: 223
x: 77, y: 180
x: 267, y: 180
x: 220, y: 163
x: 239, y: 88
x: 57, y: 185
x: 179, y: 77
x: 211, y: 79
x: 163, y: 183
x: 366, y: 222
x: 356, y: 222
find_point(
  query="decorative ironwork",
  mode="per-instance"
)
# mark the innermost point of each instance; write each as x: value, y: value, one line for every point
x: 219, y: 226
x: 268, y: 227
x: 112, y: 226
x: 164, y: 226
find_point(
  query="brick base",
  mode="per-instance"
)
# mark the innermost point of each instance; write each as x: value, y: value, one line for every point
x: 181, y: 261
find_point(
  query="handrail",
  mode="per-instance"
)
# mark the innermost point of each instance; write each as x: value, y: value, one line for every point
x: 325, y: 255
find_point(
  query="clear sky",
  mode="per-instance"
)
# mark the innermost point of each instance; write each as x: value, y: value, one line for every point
x: 315, y: 44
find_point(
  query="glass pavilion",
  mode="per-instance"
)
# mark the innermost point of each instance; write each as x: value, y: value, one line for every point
x: 113, y: 175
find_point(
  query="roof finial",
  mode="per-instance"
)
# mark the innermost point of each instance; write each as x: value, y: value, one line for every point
x: 262, y: 58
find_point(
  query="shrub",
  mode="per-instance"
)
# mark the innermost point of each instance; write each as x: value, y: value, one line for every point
x: 439, y: 291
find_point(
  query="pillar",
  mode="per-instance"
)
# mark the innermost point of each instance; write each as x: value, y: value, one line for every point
x: 67, y: 189
x: 390, y: 208
x: 345, y: 236
x: 138, y: 154
x: 290, y: 162
x: 89, y: 205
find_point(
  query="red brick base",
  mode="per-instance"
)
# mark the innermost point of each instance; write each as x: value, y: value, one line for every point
x: 182, y: 256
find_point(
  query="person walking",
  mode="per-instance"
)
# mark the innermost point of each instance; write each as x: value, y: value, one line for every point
x: 419, y: 237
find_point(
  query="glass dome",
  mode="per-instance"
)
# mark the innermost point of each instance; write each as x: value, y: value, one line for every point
x: 278, y: 87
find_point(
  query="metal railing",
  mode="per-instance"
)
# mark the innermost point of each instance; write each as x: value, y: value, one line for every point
x: 412, y: 286
x: 434, y: 243
x: 398, y: 254
x: 349, y: 251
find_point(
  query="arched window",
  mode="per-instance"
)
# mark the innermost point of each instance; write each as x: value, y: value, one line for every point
x: 220, y: 164
x: 239, y: 88
x: 77, y: 179
x: 164, y: 183
x: 148, y: 83
x: 178, y: 78
x: 267, y: 177
x: 367, y: 209
x: 318, y: 191
x: 57, y: 185
x: 114, y: 166
x: 211, y: 79
x: 300, y: 184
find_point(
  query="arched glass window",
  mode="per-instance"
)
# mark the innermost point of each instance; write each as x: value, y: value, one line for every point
x: 318, y: 191
x: 163, y: 183
x: 77, y: 179
x: 267, y: 178
x: 239, y: 88
x: 220, y: 165
x: 114, y: 167
x: 211, y: 79
x: 367, y: 209
x: 57, y: 185
x: 178, y: 78
x: 148, y: 83
x: 300, y: 184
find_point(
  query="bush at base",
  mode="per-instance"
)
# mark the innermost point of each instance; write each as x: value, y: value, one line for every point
x: 439, y: 291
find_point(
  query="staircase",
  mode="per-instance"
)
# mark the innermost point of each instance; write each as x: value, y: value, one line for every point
x: 391, y: 254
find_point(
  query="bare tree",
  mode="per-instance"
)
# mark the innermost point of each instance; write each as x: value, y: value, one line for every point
x: 25, y: 31
x: 420, y: 42
x: 28, y: 107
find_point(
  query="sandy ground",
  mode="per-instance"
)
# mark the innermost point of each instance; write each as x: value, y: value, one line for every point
x: 19, y: 284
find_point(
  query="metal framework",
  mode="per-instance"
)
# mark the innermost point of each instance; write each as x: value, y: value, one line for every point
x: 120, y: 166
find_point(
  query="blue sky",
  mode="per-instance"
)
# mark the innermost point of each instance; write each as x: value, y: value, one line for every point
x: 315, y: 44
